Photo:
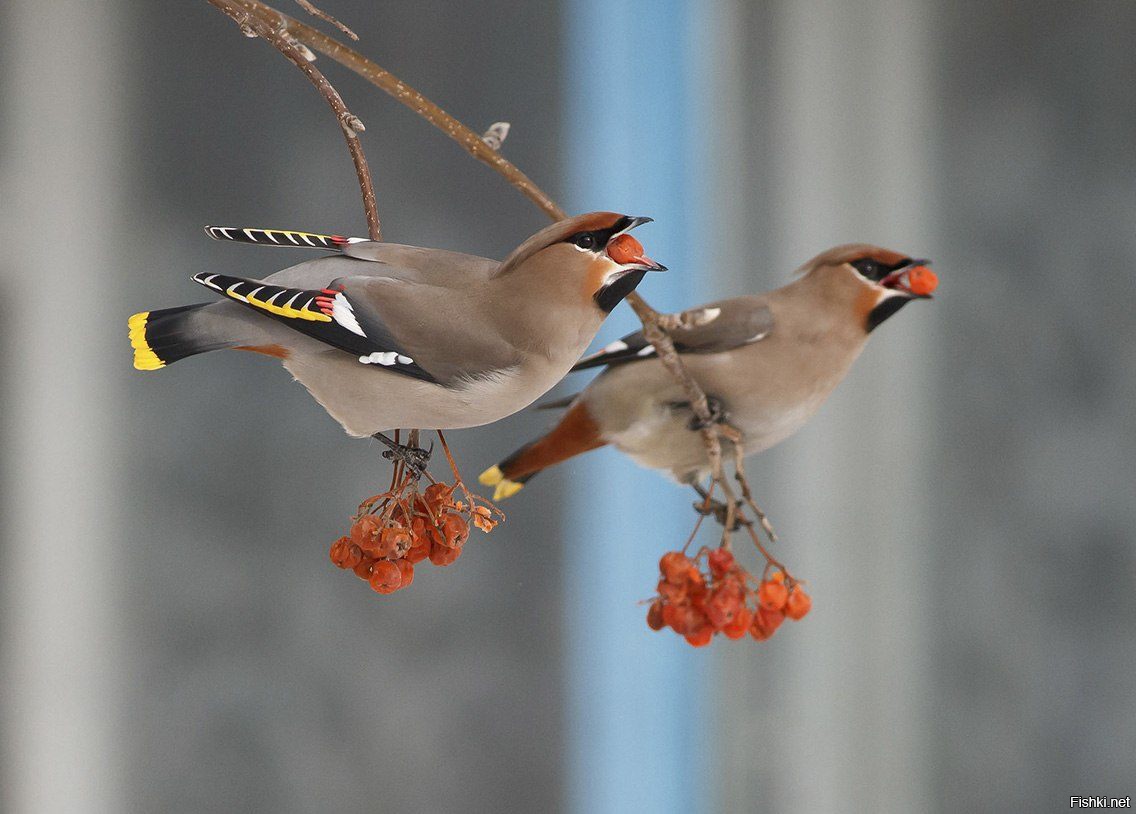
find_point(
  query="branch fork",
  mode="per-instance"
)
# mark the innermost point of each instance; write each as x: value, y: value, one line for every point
x: 296, y: 41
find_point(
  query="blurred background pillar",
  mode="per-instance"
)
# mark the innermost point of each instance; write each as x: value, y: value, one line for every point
x: 830, y: 715
x: 635, y: 698
x: 62, y: 627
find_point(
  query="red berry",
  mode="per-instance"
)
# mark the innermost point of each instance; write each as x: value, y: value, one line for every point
x: 438, y: 495
x: 757, y: 631
x: 799, y: 603
x: 772, y: 595
x: 363, y: 569
x: 701, y: 636
x: 393, y: 542
x: 365, y: 534
x: 443, y: 555
x: 385, y: 577
x: 770, y: 619
x: 655, y: 615
x: 340, y: 552
x: 673, y: 566
x: 740, y: 624
x: 720, y: 561
x: 417, y: 553
x: 455, y: 530
x: 406, y: 571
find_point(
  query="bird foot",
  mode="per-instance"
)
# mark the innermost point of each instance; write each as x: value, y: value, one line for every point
x: 718, y: 415
x: 719, y: 511
x: 413, y: 458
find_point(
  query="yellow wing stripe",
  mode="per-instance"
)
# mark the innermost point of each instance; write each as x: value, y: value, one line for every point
x: 281, y: 310
x: 144, y: 356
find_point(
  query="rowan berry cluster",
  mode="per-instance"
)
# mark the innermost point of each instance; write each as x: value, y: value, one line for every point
x: 699, y: 604
x: 400, y: 528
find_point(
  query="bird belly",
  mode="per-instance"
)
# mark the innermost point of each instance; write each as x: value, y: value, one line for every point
x: 635, y: 408
x: 366, y: 399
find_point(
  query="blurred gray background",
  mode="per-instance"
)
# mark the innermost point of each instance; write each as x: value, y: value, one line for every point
x: 173, y: 636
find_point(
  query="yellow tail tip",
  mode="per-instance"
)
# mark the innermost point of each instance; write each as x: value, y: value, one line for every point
x: 491, y: 476
x: 507, y: 488
x: 144, y: 357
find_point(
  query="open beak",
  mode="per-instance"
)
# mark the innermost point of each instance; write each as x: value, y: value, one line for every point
x: 628, y: 252
x: 915, y: 279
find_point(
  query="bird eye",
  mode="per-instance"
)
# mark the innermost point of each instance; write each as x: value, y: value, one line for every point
x: 868, y: 267
x: 585, y: 240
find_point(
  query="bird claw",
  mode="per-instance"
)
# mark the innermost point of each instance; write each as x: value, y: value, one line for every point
x: 718, y: 415
x: 415, y: 459
x: 719, y: 511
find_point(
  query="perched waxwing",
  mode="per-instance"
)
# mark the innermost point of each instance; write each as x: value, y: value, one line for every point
x: 766, y: 363
x: 387, y: 336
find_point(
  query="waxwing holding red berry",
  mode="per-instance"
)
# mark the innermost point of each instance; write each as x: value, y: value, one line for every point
x: 387, y: 336
x: 765, y: 362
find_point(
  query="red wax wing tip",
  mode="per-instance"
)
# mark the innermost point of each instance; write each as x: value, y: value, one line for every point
x: 922, y: 281
x: 625, y: 249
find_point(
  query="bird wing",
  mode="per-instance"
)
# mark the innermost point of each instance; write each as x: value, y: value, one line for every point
x: 713, y: 328
x: 407, y: 262
x: 407, y: 327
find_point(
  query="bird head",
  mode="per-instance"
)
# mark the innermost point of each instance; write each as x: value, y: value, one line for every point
x: 883, y: 281
x: 592, y: 252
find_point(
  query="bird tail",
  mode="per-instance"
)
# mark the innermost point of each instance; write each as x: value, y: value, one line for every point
x: 160, y: 338
x: 576, y: 433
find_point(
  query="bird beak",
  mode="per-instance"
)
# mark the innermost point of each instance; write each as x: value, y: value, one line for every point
x: 913, y: 279
x: 628, y: 252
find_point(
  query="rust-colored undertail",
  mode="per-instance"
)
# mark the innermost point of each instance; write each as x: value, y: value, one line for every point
x: 576, y: 433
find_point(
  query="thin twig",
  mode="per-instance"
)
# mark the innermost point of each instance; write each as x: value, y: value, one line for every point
x: 348, y: 122
x: 401, y: 92
x: 307, y: 6
x: 655, y: 325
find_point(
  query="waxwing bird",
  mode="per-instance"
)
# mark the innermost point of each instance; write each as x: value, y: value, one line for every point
x: 387, y: 336
x: 766, y: 363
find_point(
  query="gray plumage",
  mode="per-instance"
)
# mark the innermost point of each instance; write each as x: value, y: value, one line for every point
x: 387, y: 336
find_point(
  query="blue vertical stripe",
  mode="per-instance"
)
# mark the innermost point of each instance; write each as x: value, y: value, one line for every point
x: 636, y: 711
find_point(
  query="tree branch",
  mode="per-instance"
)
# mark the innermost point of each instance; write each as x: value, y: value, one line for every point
x: 349, y: 123
x: 655, y: 325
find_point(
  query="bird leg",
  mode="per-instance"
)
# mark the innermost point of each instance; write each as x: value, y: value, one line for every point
x: 718, y: 415
x: 708, y: 507
x: 413, y: 457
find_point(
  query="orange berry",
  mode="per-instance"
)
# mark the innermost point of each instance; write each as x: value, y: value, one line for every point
x: 365, y: 534
x: 922, y: 281
x: 670, y: 614
x: 655, y: 615
x: 740, y: 624
x: 340, y: 552
x: 757, y: 631
x: 441, y: 554
x: 673, y: 566
x: 720, y: 561
x: 455, y: 530
x: 772, y: 595
x: 700, y: 636
x: 385, y: 577
x: 363, y: 569
x: 406, y: 571
x: 439, y: 496
x: 770, y: 619
x: 625, y: 249
x: 799, y: 603
x: 394, y: 541
x: 417, y: 553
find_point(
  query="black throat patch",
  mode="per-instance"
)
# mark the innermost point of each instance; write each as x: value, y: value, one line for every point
x: 884, y: 310
x: 612, y: 295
